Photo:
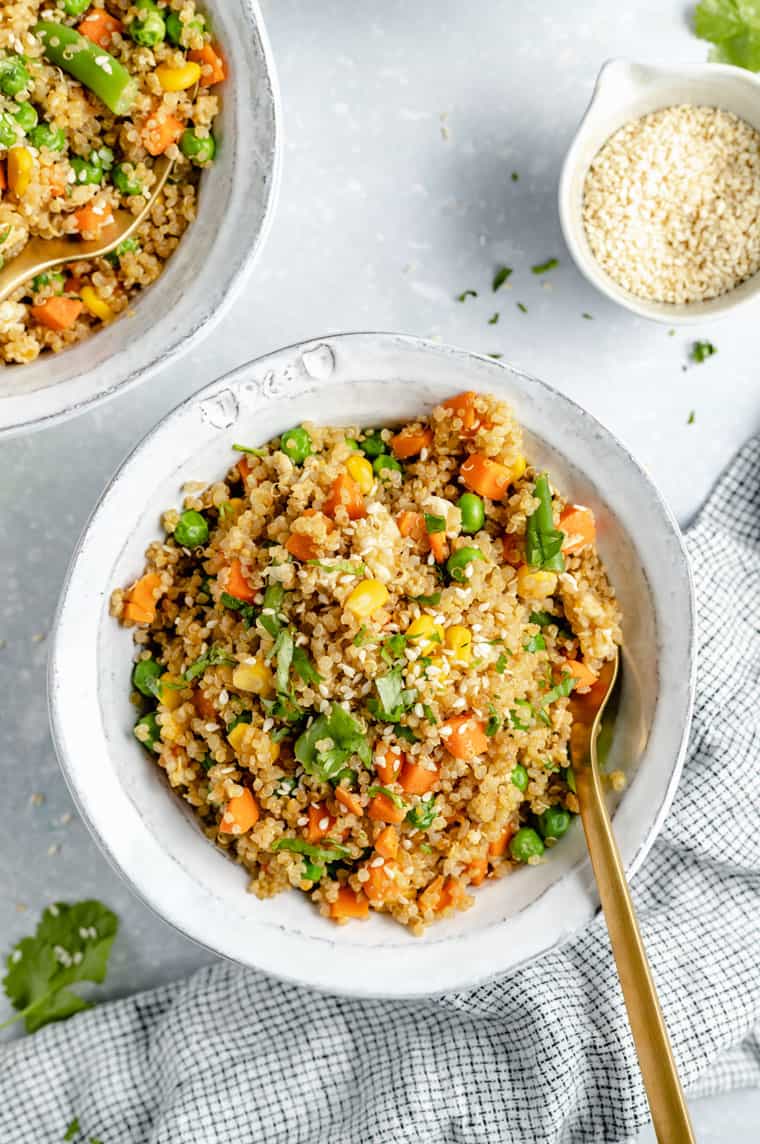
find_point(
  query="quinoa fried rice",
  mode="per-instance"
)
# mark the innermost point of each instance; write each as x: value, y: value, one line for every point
x: 67, y: 160
x: 354, y: 656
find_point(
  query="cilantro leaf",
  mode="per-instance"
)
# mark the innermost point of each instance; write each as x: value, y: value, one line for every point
x: 434, y: 523
x: 733, y: 27
x: 718, y: 20
x: 247, y: 611
x: 72, y: 1129
x: 71, y: 944
x: 213, y: 658
x: 269, y: 616
x: 304, y: 668
x: 466, y: 294
x: 501, y: 664
x: 331, y: 852
x: 701, y: 351
x: 430, y: 601
x: 500, y: 277
x: 535, y: 643
x: 493, y: 319
x: 250, y: 451
x: 282, y: 653
x: 393, y: 699
x: 542, y: 267
x: 561, y: 691
x: 396, y: 799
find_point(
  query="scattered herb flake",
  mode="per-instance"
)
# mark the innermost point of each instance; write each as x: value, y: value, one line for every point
x: 434, y: 523
x: 429, y: 713
x: 588, y: 317
x: 501, y: 664
x: 249, y: 450
x: 535, y: 643
x: 497, y: 357
x: 522, y: 307
x: 396, y: 799
x: 671, y: 333
x: 214, y: 658
x: 691, y: 418
x: 701, y: 351
x: 466, y: 294
x: 543, y: 267
x: 431, y: 601
x: 72, y: 1129
x: 493, y: 319
x: 494, y: 721
x: 514, y: 176
x: 304, y: 668
x: 500, y: 277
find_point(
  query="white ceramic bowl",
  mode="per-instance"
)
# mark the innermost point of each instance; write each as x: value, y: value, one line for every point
x: 152, y: 839
x: 202, y: 277
x: 625, y: 91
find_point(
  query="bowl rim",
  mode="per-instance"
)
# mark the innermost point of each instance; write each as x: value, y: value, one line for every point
x: 450, y: 975
x: 180, y: 343
x: 571, y: 222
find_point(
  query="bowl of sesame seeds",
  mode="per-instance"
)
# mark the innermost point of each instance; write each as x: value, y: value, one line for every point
x: 659, y: 196
x: 358, y: 382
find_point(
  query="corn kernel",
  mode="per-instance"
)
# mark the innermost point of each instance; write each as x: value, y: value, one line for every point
x: 459, y: 641
x: 95, y: 304
x: 360, y: 470
x: 255, y: 676
x: 424, y: 631
x: 171, y: 696
x: 535, y: 584
x: 236, y: 736
x: 367, y: 598
x: 20, y: 170
x: 178, y: 79
x: 518, y: 469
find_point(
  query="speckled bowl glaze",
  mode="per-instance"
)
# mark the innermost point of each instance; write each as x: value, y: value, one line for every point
x: 150, y: 836
x: 202, y: 277
x: 625, y: 91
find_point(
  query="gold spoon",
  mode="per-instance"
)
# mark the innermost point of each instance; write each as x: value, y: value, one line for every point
x: 41, y: 254
x: 667, y: 1104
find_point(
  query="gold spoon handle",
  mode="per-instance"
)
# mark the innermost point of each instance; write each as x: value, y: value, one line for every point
x: 667, y: 1103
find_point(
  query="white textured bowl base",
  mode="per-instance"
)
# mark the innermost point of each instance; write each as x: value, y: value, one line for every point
x: 367, y: 379
x: 625, y: 91
x: 236, y: 202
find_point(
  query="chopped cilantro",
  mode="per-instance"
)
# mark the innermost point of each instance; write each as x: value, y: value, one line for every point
x: 393, y: 647
x: 494, y: 721
x: 500, y: 276
x: 304, y: 668
x: 493, y: 319
x: 330, y: 852
x: 247, y: 611
x: 429, y: 713
x: 72, y: 1129
x: 405, y: 733
x: 393, y: 699
x: 466, y: 294
x: 422, y: 816
x: 250, y: 451
x: 348, y: 738
x: 269, y: 617
x: 522, y: 307
x: 701, y: 351
x: 361, y: 638
x: 434, y: 523
x: 542, y: 267
x: 535, y: 643
x: 396, y: 799
x: 216, y: 657
x: 431, y: 601
x: 560, y: 691
x: 501, y: 664
x: 588, y: 317
x: 72, y: 943
x: 691, y: 418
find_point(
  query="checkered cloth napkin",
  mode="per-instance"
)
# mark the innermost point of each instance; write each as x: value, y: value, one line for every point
x: 542, y: 1055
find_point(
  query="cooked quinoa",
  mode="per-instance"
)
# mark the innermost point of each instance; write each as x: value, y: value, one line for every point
x: 671, y: 204
x: 354, y: 656
x: 68, y: 160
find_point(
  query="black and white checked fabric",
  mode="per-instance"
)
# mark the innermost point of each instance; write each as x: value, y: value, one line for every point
x: 542, y: 1055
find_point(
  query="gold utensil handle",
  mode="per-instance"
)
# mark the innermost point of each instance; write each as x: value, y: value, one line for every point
x: 667, y: 1103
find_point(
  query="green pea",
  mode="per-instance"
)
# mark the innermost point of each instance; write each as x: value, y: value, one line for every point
x: 473, y: 512
x: 75, y: 7
x: 175, y: 27
x: 8, y: 132
x: 86, y: 174
x: 26, y: 116
x: 553, y: 823
x: 123, y: 178
x: 296, y: 444
x: 45, y: 135
x: 422, y: 816
x: 148, y: 28
x: 373, y: 445
x: 526, y: 844
x: 520, y: 777
x: 457, y: 563
x: 191, y: 530
x: 52, y: 278
x: 352, y: 444
x: 145, y: 677
x: 199, y: 148
x: 385, y: 464
x: 14, y: 77
x: 153, y: 738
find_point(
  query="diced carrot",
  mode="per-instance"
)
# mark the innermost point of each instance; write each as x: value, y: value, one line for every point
x: 204, y: 707
x: 478, y: 869
x: 415, y: 779
x: 431, y: 895
x: 241, y: 812
x: 212, y: 64
x: 578, y: 524
x: 301, y: 546
x: 452, y: 894
x: 463, y: 405
x: 99, y: 26
x: 3, y: 176
x: 57, y: 313
x: 237, y: 585
x: 159, y: 131
x: 468, y: 736
x: 93, y: 217
x: 498, y: 848
x: 438, y: 546
x: 351, y: 801
x: 349, y: 904
x: 486, y: 477
x: 73, y: 284
x: 380, y: 885
x: 388, y: 763
x: 584, y: 676
x: 320, y: 822
x: 384, y: 809
x: 244, y: 468
x: 411, y: 524
x: 512, y: 548
x: 408, y: 444
x: 345, y: 492
x: 386, y: 842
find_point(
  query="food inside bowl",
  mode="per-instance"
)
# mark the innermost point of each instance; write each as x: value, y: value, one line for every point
x: 90, y: 95
x: 354, y: 657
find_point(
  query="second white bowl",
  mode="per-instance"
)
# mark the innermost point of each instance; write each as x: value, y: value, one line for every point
x: 625, y: 91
